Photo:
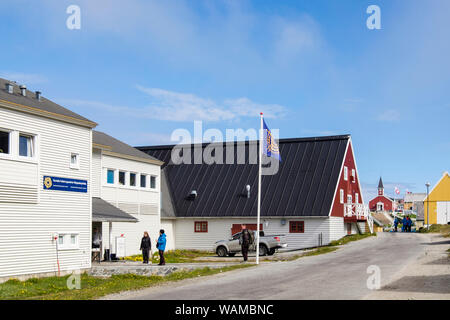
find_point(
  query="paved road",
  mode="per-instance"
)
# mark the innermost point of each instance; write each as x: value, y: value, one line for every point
x: 338, y: 275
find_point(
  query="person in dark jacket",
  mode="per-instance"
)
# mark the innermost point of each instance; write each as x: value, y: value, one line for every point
x: 395, y: 224
x: 245, y: 240
x: 408, y: 224
x: 146, y: 245
x: 404, y: 224
x: 161, y: 245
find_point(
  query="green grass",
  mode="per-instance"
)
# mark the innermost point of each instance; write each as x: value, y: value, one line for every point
x: 320, y: 250
x: 353, y: 237
x: 55, y: 288
x: 175, y: 256
x: 443, y: 229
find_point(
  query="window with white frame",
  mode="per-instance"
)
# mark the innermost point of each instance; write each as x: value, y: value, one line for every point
x: 74, y: 161
x: 110, y: 176
x: 153, y: 182
x: 132, y: 179
x: 356, y: 198
x: 349, y: 199
x: 68, y: 241
x: 341, y: 196
x: 353, y: 175
x: 345, y: 173
x: 5, y: 141
x: 122, y: 178
x: 143, y: 180
x: 26, y: 145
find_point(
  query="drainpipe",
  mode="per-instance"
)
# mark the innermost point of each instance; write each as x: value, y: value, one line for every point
x: 110, y: 240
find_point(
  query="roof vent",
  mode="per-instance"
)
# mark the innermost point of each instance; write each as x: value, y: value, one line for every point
x: 23, y: 90
x: 193, y: 195
x: 38, y: 95
x: 9, y: 87
x: 247, y: 187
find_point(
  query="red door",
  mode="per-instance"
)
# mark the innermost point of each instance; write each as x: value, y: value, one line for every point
x: 349, y: 228
x: 238, y: 227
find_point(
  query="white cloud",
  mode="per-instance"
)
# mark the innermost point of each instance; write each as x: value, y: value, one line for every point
x: 180, y: 107
x: 23, y: 78
x: 389, y: 115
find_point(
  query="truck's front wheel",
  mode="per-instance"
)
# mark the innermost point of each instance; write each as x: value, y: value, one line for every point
x: 222, y: 251
x: 263, y: 250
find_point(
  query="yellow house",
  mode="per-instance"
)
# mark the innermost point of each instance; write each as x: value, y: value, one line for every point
x: 439, y: 202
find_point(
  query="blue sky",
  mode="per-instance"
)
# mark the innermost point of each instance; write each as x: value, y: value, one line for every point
x: 142, y: 69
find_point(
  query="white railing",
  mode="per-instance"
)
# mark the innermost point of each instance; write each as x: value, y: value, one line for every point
x: 370, y: 222
x: 360, y: 211
x: 357, y: 210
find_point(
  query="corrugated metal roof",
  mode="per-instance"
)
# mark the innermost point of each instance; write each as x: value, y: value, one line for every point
x: 118, y: 146
x: 30, y: 101
x: 104, y: 211
x: 304, y: 185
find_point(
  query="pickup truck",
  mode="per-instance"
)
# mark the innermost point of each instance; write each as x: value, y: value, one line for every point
x: 267, y: 245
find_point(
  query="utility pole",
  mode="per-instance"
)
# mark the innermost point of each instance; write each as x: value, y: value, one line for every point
x: 428, y: 205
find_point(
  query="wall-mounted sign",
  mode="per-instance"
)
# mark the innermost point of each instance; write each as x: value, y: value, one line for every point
x: 65, y: 184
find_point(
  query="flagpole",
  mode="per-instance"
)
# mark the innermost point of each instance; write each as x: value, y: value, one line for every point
x: 259, y: 188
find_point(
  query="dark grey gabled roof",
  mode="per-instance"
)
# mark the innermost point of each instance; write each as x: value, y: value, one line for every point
x: 119, y: 147
x: 104, y: 211
x: 304, y: 185
x: 43, y: 107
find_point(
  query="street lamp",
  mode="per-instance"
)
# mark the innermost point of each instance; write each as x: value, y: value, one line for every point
x: 428, y: 206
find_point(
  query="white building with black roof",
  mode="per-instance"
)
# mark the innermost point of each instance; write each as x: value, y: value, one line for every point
x: 315, y: 197
x: 45, y: 190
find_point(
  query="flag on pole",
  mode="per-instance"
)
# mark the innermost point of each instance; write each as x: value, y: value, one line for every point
x: 270, y: 147
x: 397, y: 190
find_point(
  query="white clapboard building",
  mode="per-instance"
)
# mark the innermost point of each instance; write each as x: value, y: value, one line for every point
x: 126, y: 195
x: 45, y: 191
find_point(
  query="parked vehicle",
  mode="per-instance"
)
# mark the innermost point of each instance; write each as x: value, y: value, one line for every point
x: 268, y: 245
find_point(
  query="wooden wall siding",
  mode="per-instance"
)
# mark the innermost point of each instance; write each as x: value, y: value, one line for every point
x: 219, y: 229
x: 143, y: 204
x: 148, y: 209
x: 26, y: 246
x: 349, y: 187
x: 96, y: 173
x: 169, y: 228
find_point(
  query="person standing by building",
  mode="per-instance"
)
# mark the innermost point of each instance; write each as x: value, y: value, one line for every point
x: 146, y: 245
x: 395, y: 224
x: 161, y: 245
x: 404, y: 224
x: 96, y: 238
x: 408, y: 224
x: 245, y: 240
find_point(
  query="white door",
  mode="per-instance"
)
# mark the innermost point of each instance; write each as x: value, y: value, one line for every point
x: 443, y: 212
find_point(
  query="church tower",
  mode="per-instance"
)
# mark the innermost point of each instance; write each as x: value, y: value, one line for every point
x: 380, y: 188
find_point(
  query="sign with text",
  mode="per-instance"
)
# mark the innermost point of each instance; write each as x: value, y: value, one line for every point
x: 65, y: 184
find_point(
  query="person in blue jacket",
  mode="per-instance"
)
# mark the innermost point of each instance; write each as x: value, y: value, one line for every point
x: 161, y: 245
x: 404, y: 224
x: 408, y: 224
x: 395, y: 224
